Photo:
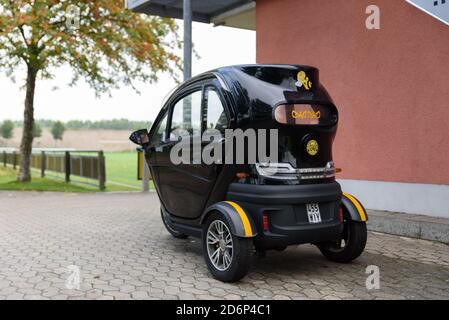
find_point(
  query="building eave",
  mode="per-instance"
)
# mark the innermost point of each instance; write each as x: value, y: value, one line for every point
x: 238, y: 14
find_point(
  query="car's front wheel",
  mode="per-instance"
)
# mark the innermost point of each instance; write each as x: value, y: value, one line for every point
x: 228, y: 257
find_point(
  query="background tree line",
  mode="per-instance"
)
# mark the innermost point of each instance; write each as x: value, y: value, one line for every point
x: 57, y: 129
x: 114, y: 124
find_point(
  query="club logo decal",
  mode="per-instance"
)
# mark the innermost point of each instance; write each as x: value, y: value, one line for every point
x: 312, y: 147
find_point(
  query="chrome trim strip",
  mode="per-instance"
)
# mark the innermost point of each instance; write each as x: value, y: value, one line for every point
x: 271, y: 171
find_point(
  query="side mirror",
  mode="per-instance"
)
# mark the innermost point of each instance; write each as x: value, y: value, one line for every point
x: 140, y: 137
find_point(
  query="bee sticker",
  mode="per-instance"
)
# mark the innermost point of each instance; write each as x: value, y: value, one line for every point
x: 303, y: 81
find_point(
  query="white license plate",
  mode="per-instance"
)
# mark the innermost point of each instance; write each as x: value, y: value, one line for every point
x: 313, y: 212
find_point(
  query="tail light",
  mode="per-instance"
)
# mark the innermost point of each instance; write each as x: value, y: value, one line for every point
x: 340, y: 215
x: 285, y: 171
x: 265, y: 222
x: 277, y: 171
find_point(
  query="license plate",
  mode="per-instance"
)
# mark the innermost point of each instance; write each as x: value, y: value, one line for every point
x: 313, y: 212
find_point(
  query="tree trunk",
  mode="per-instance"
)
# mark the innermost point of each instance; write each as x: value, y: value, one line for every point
x: 27, y: 131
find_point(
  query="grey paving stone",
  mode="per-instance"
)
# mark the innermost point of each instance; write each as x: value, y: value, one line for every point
x: 123, y: 252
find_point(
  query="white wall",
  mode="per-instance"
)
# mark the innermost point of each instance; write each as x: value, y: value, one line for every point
x: 425, y: 199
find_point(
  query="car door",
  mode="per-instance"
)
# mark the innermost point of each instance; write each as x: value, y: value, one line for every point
x: 178, y: 190
x: 158, y: 134
x: 185, y: 187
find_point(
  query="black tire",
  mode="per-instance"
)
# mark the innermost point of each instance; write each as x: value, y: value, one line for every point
x: 173, y: 232
x: 280, y: 248
x: 355, y: 235
x: 241, y: 253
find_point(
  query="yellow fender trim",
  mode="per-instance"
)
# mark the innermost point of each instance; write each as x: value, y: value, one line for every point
x: 357, y: 204
x: 243, y: 217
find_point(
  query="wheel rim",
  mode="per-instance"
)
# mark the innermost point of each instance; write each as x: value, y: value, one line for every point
x: 219, y: 245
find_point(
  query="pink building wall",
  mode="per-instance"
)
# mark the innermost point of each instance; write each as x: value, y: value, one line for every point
x: 391, y: 85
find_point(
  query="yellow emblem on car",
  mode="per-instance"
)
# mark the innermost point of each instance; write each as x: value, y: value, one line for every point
x: 306, y: 114
x: 312, y: 147
x: 303, y: 81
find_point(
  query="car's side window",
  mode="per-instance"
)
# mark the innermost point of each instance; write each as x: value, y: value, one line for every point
x: 186, y: 116
x: 159, y: 134
x: 215, y: 115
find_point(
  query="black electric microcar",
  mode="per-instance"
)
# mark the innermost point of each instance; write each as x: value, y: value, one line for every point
x: 237, y: 207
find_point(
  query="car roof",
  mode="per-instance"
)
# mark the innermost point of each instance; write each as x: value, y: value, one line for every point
x: 258, y: 88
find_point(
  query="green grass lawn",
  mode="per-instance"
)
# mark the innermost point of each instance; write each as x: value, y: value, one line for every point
x: 121, y: 175
x: 121, y: 169
x: 8, y: 181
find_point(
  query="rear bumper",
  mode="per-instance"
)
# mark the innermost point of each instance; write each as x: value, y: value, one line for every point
x: 285, y: 207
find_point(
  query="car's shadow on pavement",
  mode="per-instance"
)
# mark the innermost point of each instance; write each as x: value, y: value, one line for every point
x: 295, y: 259
x: 302, y: 269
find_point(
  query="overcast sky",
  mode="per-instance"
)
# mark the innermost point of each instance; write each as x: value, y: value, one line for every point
x: 216, y: 46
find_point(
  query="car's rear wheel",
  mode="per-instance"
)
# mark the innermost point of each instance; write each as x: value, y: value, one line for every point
x: 350, y: 246
x: 228, y: 257
x: 173, y: 232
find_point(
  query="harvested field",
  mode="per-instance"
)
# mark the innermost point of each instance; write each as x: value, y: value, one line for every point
x: 107, y: 140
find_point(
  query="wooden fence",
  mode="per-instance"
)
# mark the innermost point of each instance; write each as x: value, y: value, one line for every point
x: 85, y: 164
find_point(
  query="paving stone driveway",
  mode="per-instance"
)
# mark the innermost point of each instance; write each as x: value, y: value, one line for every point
x: 123, y: 252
